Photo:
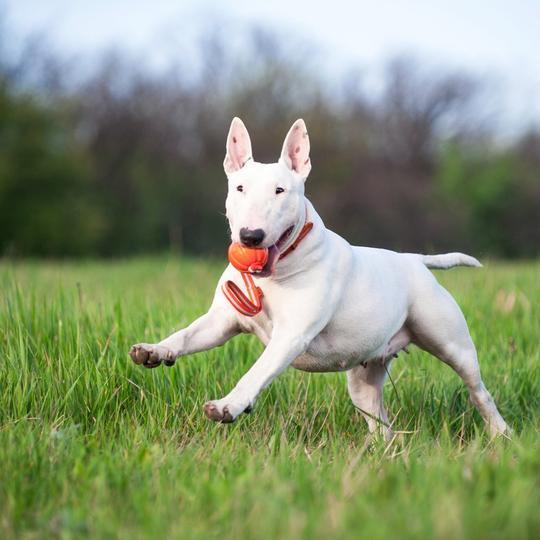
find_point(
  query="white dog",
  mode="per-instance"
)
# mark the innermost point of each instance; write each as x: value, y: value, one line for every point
x: 327, y: 306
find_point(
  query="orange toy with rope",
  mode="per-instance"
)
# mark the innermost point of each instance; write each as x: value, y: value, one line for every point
x: 252, y: 261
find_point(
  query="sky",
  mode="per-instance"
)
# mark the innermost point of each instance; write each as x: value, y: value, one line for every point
x: 494, y: 38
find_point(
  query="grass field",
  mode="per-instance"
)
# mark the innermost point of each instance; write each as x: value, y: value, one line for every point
x: 94, y: 446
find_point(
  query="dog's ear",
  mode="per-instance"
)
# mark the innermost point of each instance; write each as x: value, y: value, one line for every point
x: 238, y: 147
x: 295, y: 153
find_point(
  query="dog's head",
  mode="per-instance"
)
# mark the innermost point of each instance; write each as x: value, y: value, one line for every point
x: 265, y: 202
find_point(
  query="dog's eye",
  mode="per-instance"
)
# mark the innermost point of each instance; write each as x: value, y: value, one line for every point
x: 279, y: 190
x: 239, y: 188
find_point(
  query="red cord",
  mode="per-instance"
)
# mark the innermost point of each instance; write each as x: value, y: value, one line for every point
x: 248, y: 305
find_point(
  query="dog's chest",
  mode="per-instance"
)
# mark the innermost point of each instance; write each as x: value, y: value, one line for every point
x: 261, y: 326
x: 337, y: 349
x: 333, y: 349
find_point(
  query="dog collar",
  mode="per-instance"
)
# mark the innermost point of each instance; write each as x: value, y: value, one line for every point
x: 297, y: 235
x: 251, y: 304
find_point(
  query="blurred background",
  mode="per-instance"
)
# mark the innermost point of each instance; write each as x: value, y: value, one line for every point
x: 424, y: 120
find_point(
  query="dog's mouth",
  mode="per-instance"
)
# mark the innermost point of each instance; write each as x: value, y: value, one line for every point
x: 274, y: 252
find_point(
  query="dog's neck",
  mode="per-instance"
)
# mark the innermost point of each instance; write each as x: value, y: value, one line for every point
x: 295, y: 233
x: 307, y: 252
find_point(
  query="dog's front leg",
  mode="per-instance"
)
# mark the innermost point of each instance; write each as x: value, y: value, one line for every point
x: 211, y: 330
x: 279, y: 353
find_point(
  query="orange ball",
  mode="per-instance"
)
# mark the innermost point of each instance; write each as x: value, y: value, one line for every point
x: 247, y: 259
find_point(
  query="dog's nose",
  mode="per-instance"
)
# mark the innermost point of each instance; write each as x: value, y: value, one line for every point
x: 251, y: 237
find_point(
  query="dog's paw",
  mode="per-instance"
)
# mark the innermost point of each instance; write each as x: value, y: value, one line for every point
x: 221, y: 411
x: 151, y: 356
x: 218, y: 414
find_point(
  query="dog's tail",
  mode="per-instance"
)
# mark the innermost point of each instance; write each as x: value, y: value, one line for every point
x: 449, y: 260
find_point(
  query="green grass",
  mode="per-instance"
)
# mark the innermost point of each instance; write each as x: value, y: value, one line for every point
x: 92, y: 445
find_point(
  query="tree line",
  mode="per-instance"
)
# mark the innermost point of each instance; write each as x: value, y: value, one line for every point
x: 121, y: 159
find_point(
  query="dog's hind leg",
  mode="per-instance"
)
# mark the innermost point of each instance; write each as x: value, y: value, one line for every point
x: 365, y: 384
x: 438, y: 326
